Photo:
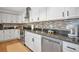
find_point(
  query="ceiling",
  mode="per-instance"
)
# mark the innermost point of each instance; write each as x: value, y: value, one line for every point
x: 13, y: 9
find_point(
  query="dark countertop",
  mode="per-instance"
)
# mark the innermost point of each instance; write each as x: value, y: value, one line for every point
x: 57, y: 36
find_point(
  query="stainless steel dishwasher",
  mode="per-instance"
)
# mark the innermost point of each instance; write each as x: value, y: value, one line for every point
x: 51, y: 44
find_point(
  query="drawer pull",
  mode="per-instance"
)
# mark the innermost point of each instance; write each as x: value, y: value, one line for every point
x: 71, y: 48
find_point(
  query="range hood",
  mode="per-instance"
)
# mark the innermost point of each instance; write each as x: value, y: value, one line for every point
x: 27, y: 15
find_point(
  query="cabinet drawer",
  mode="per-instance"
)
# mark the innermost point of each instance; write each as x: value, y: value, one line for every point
x: 70, y: 47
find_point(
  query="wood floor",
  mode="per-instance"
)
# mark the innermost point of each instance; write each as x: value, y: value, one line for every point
x: 13, y: 46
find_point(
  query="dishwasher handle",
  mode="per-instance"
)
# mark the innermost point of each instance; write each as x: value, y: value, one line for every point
x: 54, y: 41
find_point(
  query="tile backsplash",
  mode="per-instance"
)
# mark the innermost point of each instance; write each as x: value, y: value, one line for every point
x: 57, y: 24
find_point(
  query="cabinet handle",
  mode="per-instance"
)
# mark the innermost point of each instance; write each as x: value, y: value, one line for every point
x: 63, y: 14
x: 71, y: 48
x: 38, y: 18
x: 67, y: 13
x: 32, y: 39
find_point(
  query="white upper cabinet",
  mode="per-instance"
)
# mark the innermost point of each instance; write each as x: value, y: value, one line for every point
x: 18, y: 19
x: 55, y: 13
x: 43, y: 14
x: 0, y: 18
x: 38, y: 14
x: 34, y: 14
x: 4, y: 16
x: 61, y: 13
x: 14, y: 19
x: 10, y: 18
x: 71, y: 12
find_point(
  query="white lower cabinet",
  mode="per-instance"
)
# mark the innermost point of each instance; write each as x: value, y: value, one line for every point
x: 9, y: 34
x: 33, y: 41
x: 28, y: 40
x: 70, y: 47
x: 37, y: 43
x: 6, y: 34
x: 17, y: 33
x: 12, y: 34
x: 1, y: 35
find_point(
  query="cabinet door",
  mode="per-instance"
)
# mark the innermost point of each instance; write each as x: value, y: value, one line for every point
x: 43, y: 14
x: 7, y: 34
x: 22, y: 20
x: 0, y: 18
x: 4, y: 17
x: 70, y: 47
x: 72, y: 12
x: 27, y: 37
x: 37, y: 43
x: 55, y: 13
x: 12, y: 34
x: 13, y: 18
x: 34, y: 16
x: 8, y: 18
x: 18, y: 18
x: 1, y: 35
x: 29, y: 40
x: 3, y: 31
x: 17, y: 33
